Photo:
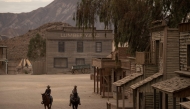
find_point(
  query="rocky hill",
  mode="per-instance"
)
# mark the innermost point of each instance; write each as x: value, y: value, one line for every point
x: 18, y: 46
x: 12, y: 25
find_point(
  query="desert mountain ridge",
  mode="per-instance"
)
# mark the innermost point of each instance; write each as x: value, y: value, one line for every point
x: 12, y: 25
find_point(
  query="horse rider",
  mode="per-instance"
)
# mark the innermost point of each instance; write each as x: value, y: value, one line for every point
x: 48, y: 92
x: 74, y: 91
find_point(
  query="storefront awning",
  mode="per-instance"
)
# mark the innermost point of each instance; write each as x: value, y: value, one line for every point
x: 150, y: 78
x: 127, y: 79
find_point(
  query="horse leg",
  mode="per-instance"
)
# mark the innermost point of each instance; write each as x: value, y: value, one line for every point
x: 44, y: 106
x: 76, y: 106
x: 73, y: 106
x: 49, y: 106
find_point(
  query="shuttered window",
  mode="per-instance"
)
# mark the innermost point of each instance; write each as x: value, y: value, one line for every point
x: 98, y: 46
x: 79, y: 46
x: 188, y: 55
x: 60, y: 62
x: 80, y: 61
x: 61, y: 46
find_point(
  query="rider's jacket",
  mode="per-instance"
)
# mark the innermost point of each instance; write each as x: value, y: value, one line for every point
x: 48, y: 91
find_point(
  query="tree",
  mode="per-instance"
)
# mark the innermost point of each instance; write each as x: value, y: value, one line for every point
x: 131, y: 19
x: 36, y: 47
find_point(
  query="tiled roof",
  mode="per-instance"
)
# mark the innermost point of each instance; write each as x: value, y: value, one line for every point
x: 150, y: 78
x: 172, y: 85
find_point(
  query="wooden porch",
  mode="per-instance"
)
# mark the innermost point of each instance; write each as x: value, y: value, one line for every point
x: 103, y: 68
x: 177, y: 87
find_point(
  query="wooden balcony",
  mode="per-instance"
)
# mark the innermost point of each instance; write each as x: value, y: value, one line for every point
x: 105, y: 63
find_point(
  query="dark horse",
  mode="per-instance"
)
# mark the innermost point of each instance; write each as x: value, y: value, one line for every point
x: 74, y: 100
x: 46, y: 101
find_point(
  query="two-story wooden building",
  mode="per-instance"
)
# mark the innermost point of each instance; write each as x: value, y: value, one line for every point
x: 69, y: 46
x: 177, y: 88
x: 157, y: 64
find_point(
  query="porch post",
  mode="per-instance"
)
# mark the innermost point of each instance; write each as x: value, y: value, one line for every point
x: 94, y: 79
x: 97, y: 80
x: 101, y: 82
x: 154, y: 98
x: 134, y: 99
x: 166, y: 101
x: 117, y: 101
x: 160, y: 100
x: 123, y: 95
x: 174, y: 102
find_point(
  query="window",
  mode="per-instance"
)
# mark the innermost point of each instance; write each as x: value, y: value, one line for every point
x: 60, y: 62
x: 61, y: 46
x: 188, y: 55
x: 98, y: 46
x: 80, y: 61
x: 79, y: 46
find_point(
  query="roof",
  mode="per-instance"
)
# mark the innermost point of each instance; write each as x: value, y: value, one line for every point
x: 173, y: 85
x: 188, y: 98
x: 1, y: 46
x: 185, y: 104
x: 183, y: 73
x: 127, y: 79
x: 150, y: 78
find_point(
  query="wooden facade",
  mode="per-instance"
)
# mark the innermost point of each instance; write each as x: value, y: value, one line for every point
x: 176, y: 88
x: 3, y: 60
x: 69, y: 46
x: 109, y: 70
x: 158, y: 64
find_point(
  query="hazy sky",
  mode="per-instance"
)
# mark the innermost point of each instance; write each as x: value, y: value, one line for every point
x: 18, y: 6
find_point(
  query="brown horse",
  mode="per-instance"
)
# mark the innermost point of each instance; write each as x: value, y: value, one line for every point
x: 46, y: 101
x: 75, y: 100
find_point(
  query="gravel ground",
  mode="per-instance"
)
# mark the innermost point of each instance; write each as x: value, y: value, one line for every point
x: 24, y: 91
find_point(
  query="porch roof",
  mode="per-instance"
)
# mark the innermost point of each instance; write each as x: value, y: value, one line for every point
x: 174, y: 85
x: 183, y: 73
x: 127, y: 79
x: 188, y: 98
x: 185, y: 104
x: 150, y: 78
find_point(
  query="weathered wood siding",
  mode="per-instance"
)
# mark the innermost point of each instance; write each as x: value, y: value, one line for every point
x: 70, y: 36
x: 184, y: 41
x: 172, y: 52
x: 150, y: 70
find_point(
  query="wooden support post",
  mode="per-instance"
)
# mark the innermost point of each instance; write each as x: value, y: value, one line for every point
x: 108, y: 88
x: 174, y: 102
x: 154, y: 98
x: 123, y: 96
x: 94, y: 79
x: 97, y: 80
x: 166, y: 101
x: 160, y: 100
x: 101, y: 82
x: 134, y: 99
x: 117, y: 98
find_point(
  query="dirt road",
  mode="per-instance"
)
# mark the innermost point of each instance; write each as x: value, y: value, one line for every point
x: 24, y: 91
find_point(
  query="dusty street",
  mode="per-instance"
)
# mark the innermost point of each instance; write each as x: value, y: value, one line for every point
x: 24, y: 91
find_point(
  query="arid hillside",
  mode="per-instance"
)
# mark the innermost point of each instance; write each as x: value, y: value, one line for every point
x: 12, y: 24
